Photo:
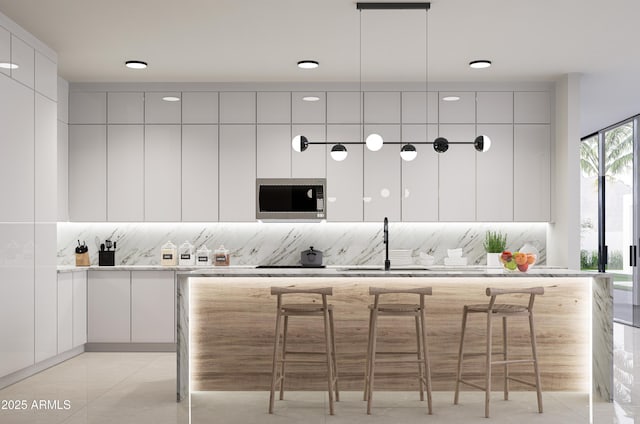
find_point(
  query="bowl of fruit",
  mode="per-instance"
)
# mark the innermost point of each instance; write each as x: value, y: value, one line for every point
x: 517, y: 261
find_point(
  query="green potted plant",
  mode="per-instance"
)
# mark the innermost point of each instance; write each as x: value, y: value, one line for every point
x: 494, y: 244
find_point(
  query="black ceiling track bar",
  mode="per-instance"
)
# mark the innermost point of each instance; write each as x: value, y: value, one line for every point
x: 393, y: 6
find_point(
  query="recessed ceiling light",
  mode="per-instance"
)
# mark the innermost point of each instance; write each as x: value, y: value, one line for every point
x: 480, y: 64
x: 8, y: 65
x: 171, y: 99
x: 308, y: 64
x: 451, y: 98
x: 135, y: 64
x: 311, y: 98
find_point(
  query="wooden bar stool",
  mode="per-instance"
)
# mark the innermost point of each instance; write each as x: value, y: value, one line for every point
x: 304, y: 309
x: 378, y: 309
x: 495, y: 310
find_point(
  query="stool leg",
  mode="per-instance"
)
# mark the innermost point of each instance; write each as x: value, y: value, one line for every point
x: 487, y: 395
x: 420, y: 359
x: 534, y: 350
x: 368, y: 358
x: 327, y: 342
x: 274, y: 369
x: 427, y: 364
x: 460, y: 355
x: 372, y: 358
x: 333, y: 355
x: 505, y: 356
x: 284, y: 354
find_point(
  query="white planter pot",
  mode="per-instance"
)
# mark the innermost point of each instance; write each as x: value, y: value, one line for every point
x: 493, y: 260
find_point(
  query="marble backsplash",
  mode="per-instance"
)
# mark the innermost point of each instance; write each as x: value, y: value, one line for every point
x: 281, y: 243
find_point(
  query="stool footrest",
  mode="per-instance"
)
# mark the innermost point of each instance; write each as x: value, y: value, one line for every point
x: 468, y: 383
x: 519, y: 380
x: 303, y: 361
x: 398, y: 361
x: 513, y: 361
x: 472, y: 354
x: 298, y: 352
x: 397, y: 353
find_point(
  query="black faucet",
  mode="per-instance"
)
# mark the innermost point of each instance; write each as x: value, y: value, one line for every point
x: 387, y: 262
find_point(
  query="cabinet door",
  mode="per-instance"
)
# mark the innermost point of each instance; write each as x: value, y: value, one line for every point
x: 46, y: 78
x: 238, y: 108
x: 344, y: 179
x: 200, y: 173
x: 305, y: 112
x: 461, y: 111
x: 381, y: 107
x: 532, y: 107
x: 237, y: 173
x: 273, y: 149
x: 22, y: 55
x: 382, y: 176
x: 125, y: 176
x: 87, y: 107
x: 312, y: 162
x: 17, y: 152
x: 414, y: 107
x: 46, y: 276
x: 125, y: 108
x: 457, y: 174
x: 65, y: 312
x: 494, y: 180
x: 79, y: 308
x: 16, y: 296
x: 162, y: 173
x: 420, y: 176
x: 87, y: 173
x: 531, y: 171
x: 494, y: 107
x: 46, y: 153
x: 199, y: 108
x: 109, y: 307
x: 5, y: 50
x: 344, y: 107
x: 152, y: 307
x: 63, y: 172
x: 274, y: 107
x: 159, y: 111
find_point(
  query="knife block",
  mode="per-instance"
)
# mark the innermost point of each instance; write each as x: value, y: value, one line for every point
x: 107, y: 258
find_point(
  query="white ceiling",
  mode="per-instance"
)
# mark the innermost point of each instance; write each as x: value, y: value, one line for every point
x: 261, y: 40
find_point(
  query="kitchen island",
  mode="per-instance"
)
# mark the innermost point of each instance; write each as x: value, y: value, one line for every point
x: 226, y: 320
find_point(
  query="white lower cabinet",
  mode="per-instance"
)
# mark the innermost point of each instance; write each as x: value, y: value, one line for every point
x: 109, y: 307
x: 65, y: 312
x: 152, y: 307
x: 79, y: 329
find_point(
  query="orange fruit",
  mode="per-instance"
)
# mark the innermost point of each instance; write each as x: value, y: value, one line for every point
x: 520, y: 258
x: 531, y: 258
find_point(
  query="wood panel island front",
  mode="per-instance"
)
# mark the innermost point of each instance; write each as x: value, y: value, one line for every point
x: 226, y: 324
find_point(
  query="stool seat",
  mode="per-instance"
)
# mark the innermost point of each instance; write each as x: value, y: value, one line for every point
x: 305, y: 307
x: 498, y: 308
x: 396, y: 307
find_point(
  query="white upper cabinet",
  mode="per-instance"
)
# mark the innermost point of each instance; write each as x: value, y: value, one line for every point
x: 200, y: 173
x: 152, y: 307
x: 494, y: 182
x: 125, y: 176
x: 63, y: 101
x: 420, y: 176
x: 162, y: 173
x: 16, y: 152
x: 274, y: 107
x: 532, y: 107
x: 457, y: 175
x: 46, y: 153
x: 414, y: 107
x: 344, y: 178
x: 461, y: 111
x: 344, y: 107
x: 199, y: 107
x: 5, y: 50
x: 125, y: 108
x: 382, y: 176
x: 495, y: 107
x: 274, y: 151
x: 382, y: 108
x: 312, y: 162
x: 306, y: 112
x: 46, y: 78
x: 238, y: 108
x: 87, y: 107
x: 22, y: 55
x: 87, y: 173
x: 532, y: 169
x: 237, y: 173
x: 159, y: 111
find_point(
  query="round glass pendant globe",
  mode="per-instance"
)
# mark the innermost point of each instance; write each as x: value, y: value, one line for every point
x: 482, y: 143
x: 296, y: 143
x: 374, y: 142
x: 408, y: 152
x: 339, y: 155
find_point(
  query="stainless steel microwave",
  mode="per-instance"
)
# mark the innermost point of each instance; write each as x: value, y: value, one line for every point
x: 291, y: 198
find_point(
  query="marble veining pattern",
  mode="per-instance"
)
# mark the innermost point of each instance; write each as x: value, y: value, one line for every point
x: 281, y: 243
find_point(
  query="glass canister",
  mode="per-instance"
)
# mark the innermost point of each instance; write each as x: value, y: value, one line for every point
x: 203, y: 256
x: 221, y: 256
x: 169, y: 254
x: 186, y: 254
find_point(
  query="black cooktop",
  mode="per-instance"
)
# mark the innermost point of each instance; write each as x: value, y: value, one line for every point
x: 288, y: 266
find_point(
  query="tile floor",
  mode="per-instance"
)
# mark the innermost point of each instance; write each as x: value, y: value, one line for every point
x: 139, y: 388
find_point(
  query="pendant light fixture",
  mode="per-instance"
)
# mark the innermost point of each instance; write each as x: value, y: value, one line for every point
x: 339, y: 152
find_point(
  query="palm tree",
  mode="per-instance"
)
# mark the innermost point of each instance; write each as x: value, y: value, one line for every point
x: 618, y: 153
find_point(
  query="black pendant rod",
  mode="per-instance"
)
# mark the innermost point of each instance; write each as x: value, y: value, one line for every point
x: 393, y: 6
x: 387, y: 142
